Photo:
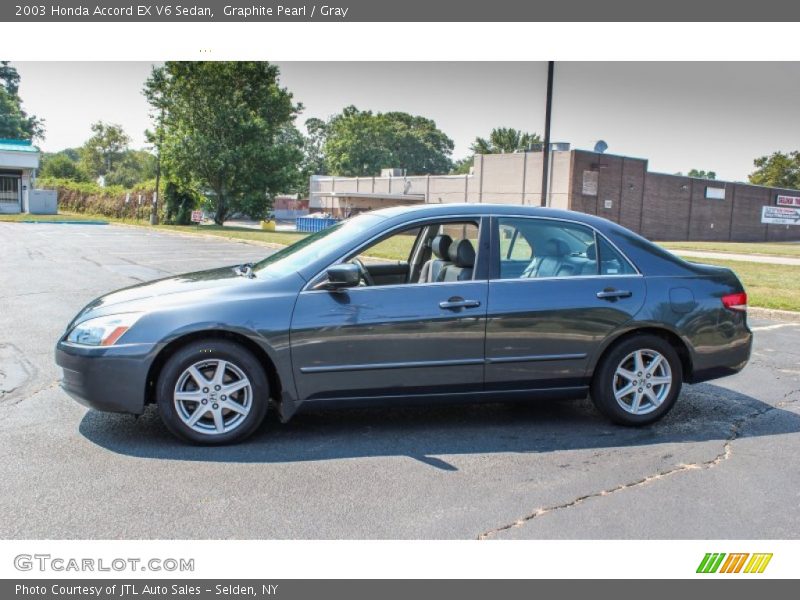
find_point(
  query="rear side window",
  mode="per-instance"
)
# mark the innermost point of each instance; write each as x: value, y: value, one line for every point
x: 533, y: 248
x: 611, y: 261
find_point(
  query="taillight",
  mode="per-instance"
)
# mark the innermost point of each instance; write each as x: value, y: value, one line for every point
x: 737, y: 302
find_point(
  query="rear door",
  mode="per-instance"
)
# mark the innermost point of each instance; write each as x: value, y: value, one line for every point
x: 552, y: 300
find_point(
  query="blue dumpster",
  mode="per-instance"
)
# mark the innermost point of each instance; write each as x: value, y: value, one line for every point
x: 310, y: 224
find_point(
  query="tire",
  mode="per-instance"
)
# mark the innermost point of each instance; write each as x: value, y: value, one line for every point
x: 191, y: 381
x: 633, y: 396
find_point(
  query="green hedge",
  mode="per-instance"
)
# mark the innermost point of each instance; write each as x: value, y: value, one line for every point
x: 94, y: 199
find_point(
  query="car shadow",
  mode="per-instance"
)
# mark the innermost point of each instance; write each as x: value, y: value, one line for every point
x: 429, y: 434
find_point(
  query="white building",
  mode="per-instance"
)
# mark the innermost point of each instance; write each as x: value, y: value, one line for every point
x: 19, y: 160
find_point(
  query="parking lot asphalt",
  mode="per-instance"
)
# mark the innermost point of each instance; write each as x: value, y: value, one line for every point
x: 723, y: 464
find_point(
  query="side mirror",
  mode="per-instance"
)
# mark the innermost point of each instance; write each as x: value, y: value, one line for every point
x: 343, y: 275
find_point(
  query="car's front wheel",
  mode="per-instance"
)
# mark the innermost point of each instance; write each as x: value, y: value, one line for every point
x: 638, y: 381
x: 212, y: 392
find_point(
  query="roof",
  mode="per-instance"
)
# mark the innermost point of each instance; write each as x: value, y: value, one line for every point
x: 372, y: 196
x: 7, y: 145
x: 485, y: 208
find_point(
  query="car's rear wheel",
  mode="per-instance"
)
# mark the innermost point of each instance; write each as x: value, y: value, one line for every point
x: 638, y: 380
x: 212, y: 392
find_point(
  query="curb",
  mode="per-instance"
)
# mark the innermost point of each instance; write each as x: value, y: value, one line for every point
x: 774, y: 314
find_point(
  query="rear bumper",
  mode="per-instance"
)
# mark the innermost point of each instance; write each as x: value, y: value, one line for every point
x: 109, y: 379
x: 723, y: 361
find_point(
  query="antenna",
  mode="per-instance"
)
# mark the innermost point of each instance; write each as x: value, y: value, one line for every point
x: 600, y: 146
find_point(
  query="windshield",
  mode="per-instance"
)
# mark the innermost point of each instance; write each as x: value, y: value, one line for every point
x: 312, y: 248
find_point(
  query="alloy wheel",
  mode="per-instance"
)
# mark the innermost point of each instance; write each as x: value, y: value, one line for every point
x: 642, y: 381
x: 213, y: 397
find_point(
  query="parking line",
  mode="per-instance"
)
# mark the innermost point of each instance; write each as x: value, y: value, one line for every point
x: 775, y: 326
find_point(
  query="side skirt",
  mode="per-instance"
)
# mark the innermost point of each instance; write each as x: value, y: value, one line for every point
x: 560, y: 393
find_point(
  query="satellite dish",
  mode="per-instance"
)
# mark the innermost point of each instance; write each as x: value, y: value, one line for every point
x: 600, y: 146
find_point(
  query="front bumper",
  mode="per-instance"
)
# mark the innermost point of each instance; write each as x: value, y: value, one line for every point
x: 112, y: 379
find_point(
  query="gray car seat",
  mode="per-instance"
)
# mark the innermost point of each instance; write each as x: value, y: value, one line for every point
x: 432, y: 270
x: 462, y: 257
x: 549, y: 262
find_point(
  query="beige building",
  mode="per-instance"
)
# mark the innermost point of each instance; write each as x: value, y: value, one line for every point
x: 620, y: 188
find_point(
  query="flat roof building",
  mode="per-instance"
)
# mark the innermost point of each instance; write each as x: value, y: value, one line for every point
x: 659, y: 206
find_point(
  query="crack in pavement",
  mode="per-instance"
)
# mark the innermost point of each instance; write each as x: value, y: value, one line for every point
x: 727, y: 452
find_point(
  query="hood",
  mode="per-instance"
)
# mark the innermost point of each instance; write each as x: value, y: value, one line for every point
x: 166, y: 291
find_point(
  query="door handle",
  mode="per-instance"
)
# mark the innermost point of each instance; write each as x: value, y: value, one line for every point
x: 611, y: 294
x: 456, y: 302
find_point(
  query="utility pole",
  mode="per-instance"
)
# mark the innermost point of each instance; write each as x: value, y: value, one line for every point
x: 154, y: 214
x: 546, y: 146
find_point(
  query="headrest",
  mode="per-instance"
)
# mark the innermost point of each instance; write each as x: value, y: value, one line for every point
x: 556, y: 247
x: 440, y: 245
x: 462, y: 254
x: 591, y: 252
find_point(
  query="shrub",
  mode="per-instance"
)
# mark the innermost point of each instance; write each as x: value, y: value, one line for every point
x: 109, y: 201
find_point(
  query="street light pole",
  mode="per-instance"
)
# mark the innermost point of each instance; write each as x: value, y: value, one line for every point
x: 546, y: 146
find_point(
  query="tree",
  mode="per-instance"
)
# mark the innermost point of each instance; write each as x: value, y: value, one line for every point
x: 101, y: 153
x: 362, y: 143
x: 697, y: 174
x: 313, y: 147
x: 505, y: 140
x: 228, y: 127
x: 463, y: 166
x: 61, y: 166
x: 133, y: 166
x: 15, y: 123
x: 777, y: 170
x: 179, y: 201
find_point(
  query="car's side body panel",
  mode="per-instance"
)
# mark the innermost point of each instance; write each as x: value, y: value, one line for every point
x: 543, y: 332
x: 388, y: 340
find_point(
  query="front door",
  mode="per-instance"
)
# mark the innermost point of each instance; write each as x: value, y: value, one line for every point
x: 10, y: 194
x: 393, y: 339
x: 557, y: 291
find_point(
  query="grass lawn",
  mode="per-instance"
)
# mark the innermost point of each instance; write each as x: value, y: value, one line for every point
x: 768, y: 286
x: 239, y: 233
x: 766, y: 248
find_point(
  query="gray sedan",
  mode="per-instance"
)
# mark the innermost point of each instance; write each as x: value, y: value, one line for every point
x: 458, y: 302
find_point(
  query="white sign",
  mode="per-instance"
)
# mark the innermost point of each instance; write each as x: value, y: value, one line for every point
x: 788, y: 201
x: 780, y: 215
x: 608, y: 203
x: 590, y: 181
x: 715, y: 193
x: 197, y: 216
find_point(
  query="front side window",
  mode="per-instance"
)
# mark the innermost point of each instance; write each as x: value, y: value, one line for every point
x: 541, y: 248
x: 432, y: 253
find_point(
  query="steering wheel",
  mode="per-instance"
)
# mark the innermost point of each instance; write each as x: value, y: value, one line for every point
x: 365, y: 275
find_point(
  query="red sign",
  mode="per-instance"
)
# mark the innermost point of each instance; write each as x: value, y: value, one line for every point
x: 788, y: 201
x: 197, y: 216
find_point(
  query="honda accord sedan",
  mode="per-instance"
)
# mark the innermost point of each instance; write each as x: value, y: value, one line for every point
x: 471, y: 302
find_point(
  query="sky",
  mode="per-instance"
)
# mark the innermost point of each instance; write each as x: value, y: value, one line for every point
x: 679, y: 116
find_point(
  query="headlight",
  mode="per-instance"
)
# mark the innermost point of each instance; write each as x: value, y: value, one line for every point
x: 102, y: 331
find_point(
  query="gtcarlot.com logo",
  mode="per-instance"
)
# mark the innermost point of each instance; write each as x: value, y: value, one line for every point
x: 737, y: 562
x: 47, y: 562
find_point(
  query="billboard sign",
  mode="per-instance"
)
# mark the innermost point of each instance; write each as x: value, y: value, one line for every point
x: 780, y: 215
x: 788, y: 201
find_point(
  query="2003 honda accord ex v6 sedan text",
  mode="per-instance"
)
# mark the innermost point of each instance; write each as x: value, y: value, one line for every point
x: 472, y: 302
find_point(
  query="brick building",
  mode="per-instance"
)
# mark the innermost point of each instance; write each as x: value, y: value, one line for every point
x: 620, y: 188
